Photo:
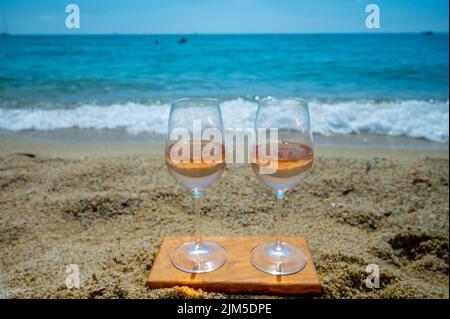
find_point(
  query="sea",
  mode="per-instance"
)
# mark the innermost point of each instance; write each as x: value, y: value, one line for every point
x: 356, y: 84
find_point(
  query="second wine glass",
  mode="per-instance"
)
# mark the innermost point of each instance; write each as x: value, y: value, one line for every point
x: 195, y: 157
x: 292, y: 154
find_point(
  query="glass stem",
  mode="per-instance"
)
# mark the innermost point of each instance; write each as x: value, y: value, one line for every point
x: 279, y: 218
x: 198, y: 219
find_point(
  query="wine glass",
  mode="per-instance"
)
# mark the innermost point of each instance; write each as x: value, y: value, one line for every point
x: 195, y: 157
x: 291, y: 156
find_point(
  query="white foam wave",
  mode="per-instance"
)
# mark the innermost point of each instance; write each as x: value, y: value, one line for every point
x: 418, y: 119
x: 413, y: 118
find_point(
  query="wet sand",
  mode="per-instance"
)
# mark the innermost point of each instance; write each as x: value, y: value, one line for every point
x: 106, y: 207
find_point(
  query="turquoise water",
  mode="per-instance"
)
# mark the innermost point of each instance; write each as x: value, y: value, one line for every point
x: 128, y: 81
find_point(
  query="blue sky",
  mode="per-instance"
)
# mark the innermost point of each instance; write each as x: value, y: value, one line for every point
x: 222, y: 16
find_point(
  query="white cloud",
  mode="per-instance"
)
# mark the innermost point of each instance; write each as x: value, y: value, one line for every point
x: 46, y: 18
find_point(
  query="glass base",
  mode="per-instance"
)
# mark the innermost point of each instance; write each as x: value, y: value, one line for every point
x: 283, y: 259
x: 194, y: 258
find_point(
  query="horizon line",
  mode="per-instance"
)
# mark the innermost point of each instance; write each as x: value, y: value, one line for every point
x: 231, y: 33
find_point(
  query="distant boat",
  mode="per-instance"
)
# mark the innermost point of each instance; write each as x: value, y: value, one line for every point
x: 182, y: 40
x: 427, y: 33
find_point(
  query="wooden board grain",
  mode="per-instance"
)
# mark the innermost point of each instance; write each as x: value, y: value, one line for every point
x: 237, y: 275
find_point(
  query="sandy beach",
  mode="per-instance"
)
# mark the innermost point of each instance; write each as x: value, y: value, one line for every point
x: 106, y: 208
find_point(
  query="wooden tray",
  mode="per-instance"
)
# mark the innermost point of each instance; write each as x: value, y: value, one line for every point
x: 237, y: 275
